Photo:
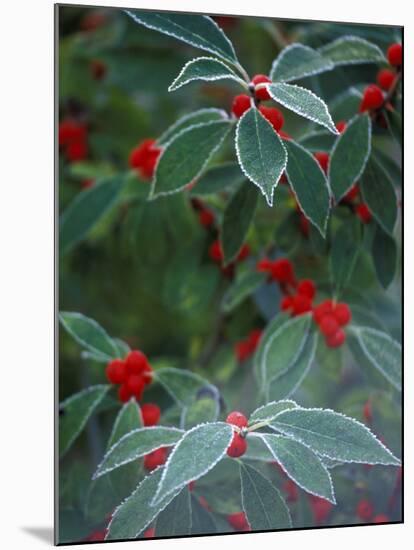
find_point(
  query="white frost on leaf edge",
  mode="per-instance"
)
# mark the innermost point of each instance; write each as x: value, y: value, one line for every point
x: 80, y: 341
x: 229, y: 74
x: 352, y: 38
x: 330, y: 65
x: 290, y: 401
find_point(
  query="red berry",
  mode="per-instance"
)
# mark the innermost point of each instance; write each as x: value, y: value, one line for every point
x: 323, y: 159
x: 135, y: 384
x: 282, y: 271
x: 286, y: 303
x: 321, y: 508
x: 215, y: 251
x: 124, y: 393
x: 144, y: 158
x: 362, y: 211
x: 238, y: 446
x: 136, y: 362
x: 149, y: 533
x: 329, y: 325
x: 264, y: 265
x: 155, y: 459
x: 367, y: 412
x: 336, y: 340
x: 150, y: 414
x: 364, y: 510
x: 394, y: 55
x: 76, y: 151
x: 351, y: 194
x: 244, y: 253
x: 341, y: 126
x: 206, y: 217
x: 116, y: 372
x: 385, y: 79
x: 321, y: 310
x: 242, y: 350
x: 381, y: 518
x: 373, y: 98
x: 274, y: 116
x: 342, y: 313
x: 301, y: 304
x: 241, y: 104
x: 261, y: 93
x: 237, y: 419
x: 291, y: 490
x: 307, y: 287
x: 238, y: 521
x: 254, y: 338
x: 70, y: 131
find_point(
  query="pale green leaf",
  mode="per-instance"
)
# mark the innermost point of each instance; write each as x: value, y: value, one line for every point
x: 267, y: 334
x: 135, y: 444
x: 201, y: 116
x: 243, y: 287
x: 206, y: 69
x: 263, y: 505
x: 344, y: 253
x: 349, y: 156
x: 351, y: 50
x: 175, y: 520
x: 302, y: 102
x: 334, y: 435
x: 181, y: 161
x: 266, y: 413
x: 260, y: 152
x: 237, y: 218
x: 309, y: 185
x: 129, y: 418
x: 75, y: 411
x: 297, y: 61
x: 384, y: 255
x: 302, y: 465
x: 205, y: 409
x: 122, y: 347
x: 199, y: 450
x: 182, y: 385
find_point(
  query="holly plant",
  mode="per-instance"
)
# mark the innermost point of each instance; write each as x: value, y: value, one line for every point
x: 272, y: 255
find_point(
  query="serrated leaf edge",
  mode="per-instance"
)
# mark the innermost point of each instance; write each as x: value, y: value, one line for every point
x: 230, y: 74
x: 353, y: 38
x: 290, y: 401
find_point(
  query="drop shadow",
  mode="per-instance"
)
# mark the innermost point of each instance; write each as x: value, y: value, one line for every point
x: 42, y: 533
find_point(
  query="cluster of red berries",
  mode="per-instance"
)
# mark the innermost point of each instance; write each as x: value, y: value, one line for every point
x: 215, y: 252
x: 331, y: 317
x: 73, y: 139
x: 374, y: 97
x: 365, y: 512
x: 238, y: 445
x: 245, y: 348
x: 132, y: 374
x: 144, y: 157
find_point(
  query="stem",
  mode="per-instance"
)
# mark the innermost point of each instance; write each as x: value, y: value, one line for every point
x: 258, y: 425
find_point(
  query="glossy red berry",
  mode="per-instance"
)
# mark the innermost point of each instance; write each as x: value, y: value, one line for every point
x: 144, y: 158
x: 116, y: 371
x: 394, y: 55
x: 385, y: 79
x: 286, y: 303
x: 381, y: 518
x: 307, y: 287
x: 136, y: 362
x: 76, y: 151
x: 341, y: 126
x: 238, y: 446
x: 323, y: 159
x: 337, y: 339
x: 238, y: 521
x: 215, y: 251
x: 365, y: 510
x: 261, y: 93
x: 264, y: 265
x: 363, y: 212
x: 342, y: 313
x: 135, y: 383
x: 329, y: 325
x: 155, y: 459
x: 124, y: 393
x: 373, y: 98
x: 237, y: 418
x: 241, y: 104
x: 150, y: 414
x: 282, y: 271
x: 321, y: 310
x: 70, y: 131
x: 352, y: 194
x: 274, y: 116
x: 301, y: 304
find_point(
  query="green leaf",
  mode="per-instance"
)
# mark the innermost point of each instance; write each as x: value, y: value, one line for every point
x: 257, y: 450
x: 205, y: 409
x: 263, y: 505
x: 394, y: 124
x: 287, y: 383
x: 129, y: 418
x: 199, y: 450
x: 218, y: 178
x: 135, y: 444
x: 201, y: 116
x: 297, y: 61
x: 318, y: 140
x: 284, y: 346
x: 384, y: 255
x: 88, y: 334
x: 260, y: 152
x: 175, y: 519
x: 302, y: 102
x: 351, y: 50
x: 75, y: 411
x: 237, y: 218
x: 199, y: 31
x: 379, y: 194
x: 383, y: 352
x: 137, y: 511
x: 333, y: 435
x: 186, y: 155
x: 204, y: 68
x: 270, y: 329
x: 182, y: 385
x: 122, y: 347
x: 243, y: 287
x: 349, y: 155
x: 202, y: 519
x: 86, y: 210
x: 266, y: 413
x: 309, y: 185
x: 344, y: 253
x: 302, y: 465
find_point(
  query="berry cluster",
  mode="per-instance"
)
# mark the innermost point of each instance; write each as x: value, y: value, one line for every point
x: 238, y: 445
x: 245, y: 348
x: 73, y: 139
x: 144, y: 157
x: 365, y: 512
x: 215, y: 252
x: 331, y: 317
x: 132, y: 374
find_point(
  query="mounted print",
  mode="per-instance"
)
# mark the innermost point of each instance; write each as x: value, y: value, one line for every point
x: 229, y: 274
